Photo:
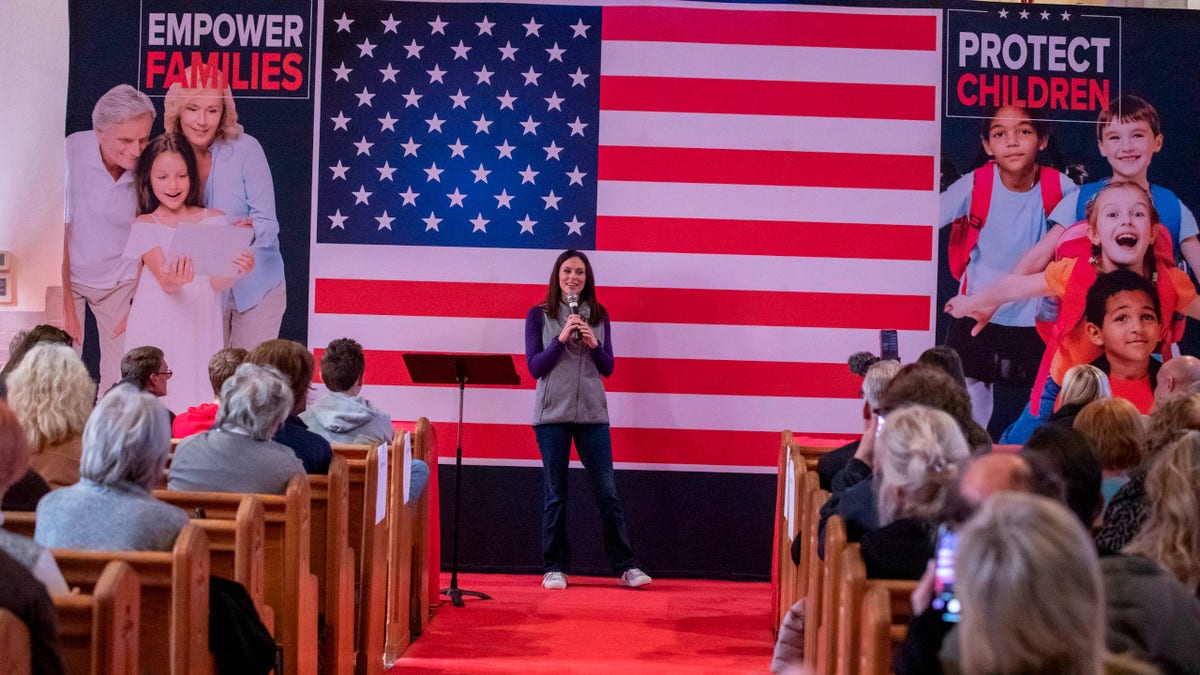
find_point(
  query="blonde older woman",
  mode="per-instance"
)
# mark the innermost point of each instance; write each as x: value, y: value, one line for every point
x: 52, y: 395
x: 236, y: 179
x: 1170, y: 535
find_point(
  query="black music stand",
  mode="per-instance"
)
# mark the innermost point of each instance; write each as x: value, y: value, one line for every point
x: 460, y: 369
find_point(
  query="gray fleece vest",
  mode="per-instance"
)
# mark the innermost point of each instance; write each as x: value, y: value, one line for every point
x: 573, y: 390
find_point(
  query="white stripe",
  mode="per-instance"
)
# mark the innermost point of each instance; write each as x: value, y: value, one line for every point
x: 762, y: 202
x: 623, y: 466
x: 770, y: 63
x: 626, y: 269
x: 767, y: 132
x: 633, y: 410
x: 640, y: 340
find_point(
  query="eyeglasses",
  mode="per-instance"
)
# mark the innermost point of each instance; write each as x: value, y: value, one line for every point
x: 166, y: 373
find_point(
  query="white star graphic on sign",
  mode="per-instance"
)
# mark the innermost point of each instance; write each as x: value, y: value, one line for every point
x: 460, y: 100
x: 578, y: 77
x: 460, y: 51
x: 410, y: 148
x: 1045, y: 16
x: 526, y: 224
x: 362, y: 196
x: 531, y: 77
x: 556, y: 53
x: 409, y: 197
x: 389, y: 73
x: 530, y: 126
x: 389, y: 24
x: 554, y: 102
x: 387, y: 122
x: 456, y: 198
x: 343, y: 23
x: 413, y: 49
x: 435, y: 123
x: 338, y: 220
x: 411, y: 98
x: 528, y: 175
x: 364, y: 98
x: 482, y: 125
x: 484, y: 75
x: 342, y: 72
x: 437, y: 25
x: 577, y: 126
x: 433, y: 174
x: 574, y: 226
x: 552, y: 151
x: 340, y: 122
x: 1024, y: 14
x: 532, y: 27
x: 1003, y: 13
x: 431, y: 223
x: 364, y: 147
x: 503, y: 200
x: 505, y: 149
x: 508, y: 51
x: 480, y: 174
x: 480, y: 223
x: 551, y: 201
x: 485, y: 26
x: 339, y: 171
x: 458, y: 148
x: 576, y: 176
x: 385, y: 171
x: 1066, y: 16
x: 580, y: 29
x: 506, y: 101
x: 385, y: 221
x: 366, y: 49
x: 436, y: 74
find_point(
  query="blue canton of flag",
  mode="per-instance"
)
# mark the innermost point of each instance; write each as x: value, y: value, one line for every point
x: 459, y: 125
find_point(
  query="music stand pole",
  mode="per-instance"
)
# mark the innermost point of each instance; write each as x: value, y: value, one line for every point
x: 454, y: 591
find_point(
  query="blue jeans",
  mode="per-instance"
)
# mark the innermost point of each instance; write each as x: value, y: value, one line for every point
x: 594, y: 445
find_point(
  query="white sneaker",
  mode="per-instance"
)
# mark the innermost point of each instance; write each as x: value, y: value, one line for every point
x: 555, y: 581
x: 634, y: 578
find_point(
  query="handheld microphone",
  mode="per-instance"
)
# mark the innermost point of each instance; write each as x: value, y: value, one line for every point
x: 573, y: 303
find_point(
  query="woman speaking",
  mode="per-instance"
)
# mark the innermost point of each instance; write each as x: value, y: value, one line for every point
x: 568, y: 346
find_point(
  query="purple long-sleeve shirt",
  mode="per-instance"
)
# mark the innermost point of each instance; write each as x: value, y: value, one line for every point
x: 541, y: 359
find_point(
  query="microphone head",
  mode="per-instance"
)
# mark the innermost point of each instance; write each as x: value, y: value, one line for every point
x: 573, y: 300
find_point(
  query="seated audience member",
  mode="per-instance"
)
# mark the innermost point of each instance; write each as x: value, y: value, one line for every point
x: 1176, y: 378
x: 1116, y: 431
x: 920, y: 453
x: 146, y: 368
x: 24, y: 596
x: 14, y: 457
x: 23, y: 341
x: 1128, y: 508
x: 343, y: 416
x: 25, y: 493
x: 200, y: 417
x: 296, y: 363
x: 237, y: 454
x: 1170, y: 535
x: 876, y: 378
x: 125, y: 446
x: 1082, y: 384
x: 946, y: 359
x: 52, y: 395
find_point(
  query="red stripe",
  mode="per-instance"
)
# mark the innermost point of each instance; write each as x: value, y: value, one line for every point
x: 764, y: 237
x: 766, y: 167
x: 789, y: 29
x: 757, y: 97
x: 673, y: 376
x: 640, y: 305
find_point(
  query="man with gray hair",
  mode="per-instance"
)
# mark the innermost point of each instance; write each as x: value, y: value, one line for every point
x: 100, y: 205
x: 876, y: 378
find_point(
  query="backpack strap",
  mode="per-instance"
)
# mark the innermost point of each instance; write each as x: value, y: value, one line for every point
x: 1170, y: 214
x: 1048, y: 180
x: 964, y: 231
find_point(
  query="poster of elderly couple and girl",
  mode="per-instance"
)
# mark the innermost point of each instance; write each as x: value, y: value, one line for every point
x: 1067, y: 134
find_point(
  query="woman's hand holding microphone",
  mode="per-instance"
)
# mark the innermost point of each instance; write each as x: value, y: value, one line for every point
x: 576, y: 323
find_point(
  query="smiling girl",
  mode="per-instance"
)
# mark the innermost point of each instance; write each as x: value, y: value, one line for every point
x: 173, y: 308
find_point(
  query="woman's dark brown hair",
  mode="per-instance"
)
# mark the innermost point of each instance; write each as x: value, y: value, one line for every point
x: 597, y: 313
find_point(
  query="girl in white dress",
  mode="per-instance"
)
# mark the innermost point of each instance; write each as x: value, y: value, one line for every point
x: 175, y: 309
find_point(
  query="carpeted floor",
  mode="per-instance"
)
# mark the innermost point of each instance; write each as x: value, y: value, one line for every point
x: 595, y: 626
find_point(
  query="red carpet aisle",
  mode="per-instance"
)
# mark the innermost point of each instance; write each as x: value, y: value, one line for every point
x: 595, y: 626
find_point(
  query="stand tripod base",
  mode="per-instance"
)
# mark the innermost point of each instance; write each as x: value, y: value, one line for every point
x: 456, y: 595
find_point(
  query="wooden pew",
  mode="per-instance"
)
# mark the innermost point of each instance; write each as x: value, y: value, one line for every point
x: 362, y: 463
x: 174, y: 587
x: 876, y: 632
x: 780, y: 570
x: 16, y: 655
x: 421, y: 607
x: 98, y: 633
x: 806, y: 483
x: 853, y: 581
x: 397, y: 627
x: 812, y: 591
x: 237, y: 550
x: 372, y: 606
x: 333, y: 564
x: 289, y: 587
x: 835, y: 548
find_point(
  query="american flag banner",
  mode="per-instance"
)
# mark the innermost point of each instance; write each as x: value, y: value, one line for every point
x: 756, y: 186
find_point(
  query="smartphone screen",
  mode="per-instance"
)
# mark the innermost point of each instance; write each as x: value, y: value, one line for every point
x: 944, y: 599
x: 889, y: 345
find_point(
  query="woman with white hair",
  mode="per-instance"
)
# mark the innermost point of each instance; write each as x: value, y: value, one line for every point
x: 237, y: 454
x: 125, y: 446
x: 52, y: 394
